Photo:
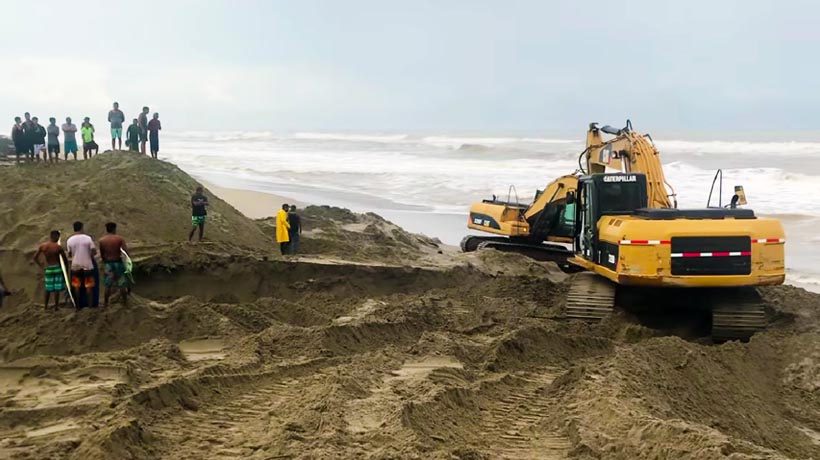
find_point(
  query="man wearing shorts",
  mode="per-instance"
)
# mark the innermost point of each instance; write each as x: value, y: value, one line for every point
x: 143, y: 122
x: 28, y: 131
x: 53, y: 132
x: 82, y: 250
x: 38, y: 138
x: 51, y: 253
x: 70, y: 136
x: 18, y: 136
x: 116, y: 118
x: 154, y: 126
x: 87, y: 131
x: 199, y: 203
x: 114, y: 277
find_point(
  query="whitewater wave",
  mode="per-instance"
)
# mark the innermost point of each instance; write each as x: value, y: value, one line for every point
x: 350, y: 137
x: 738, y: 148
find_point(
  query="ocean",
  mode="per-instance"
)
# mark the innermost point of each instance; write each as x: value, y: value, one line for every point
x: 425, y: 183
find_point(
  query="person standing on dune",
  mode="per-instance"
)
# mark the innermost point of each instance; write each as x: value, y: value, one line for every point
x: 28, y: 131
x: 154, y: 126
x: 18, y: 136
x: 143, y: 122
x: 294, y: 229
x: 87, y: 131
x: 82, y: 250
x: 116, y: 118
x: 53, y: 132
x: 282, y: 227
x: 52, y: 252
x: 132, y: 136
x: 38, y: 139
x: 199, y: 203
x: 112, y: 247
x: 70, y: 138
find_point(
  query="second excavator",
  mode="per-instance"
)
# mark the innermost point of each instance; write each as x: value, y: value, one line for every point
x: 617, y: 220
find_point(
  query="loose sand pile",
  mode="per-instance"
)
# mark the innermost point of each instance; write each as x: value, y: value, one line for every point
x: 229, y: 351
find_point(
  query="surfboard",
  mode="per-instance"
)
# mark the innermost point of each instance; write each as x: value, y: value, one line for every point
x: 129, y: 266
x: 67, y: 278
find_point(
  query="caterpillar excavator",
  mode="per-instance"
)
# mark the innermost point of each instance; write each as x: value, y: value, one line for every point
x: 617, y: 221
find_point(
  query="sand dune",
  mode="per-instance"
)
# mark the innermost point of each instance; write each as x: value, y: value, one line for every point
x: 372, y: 345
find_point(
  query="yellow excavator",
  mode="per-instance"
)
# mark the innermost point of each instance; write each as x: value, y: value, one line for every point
x: 617, y: 220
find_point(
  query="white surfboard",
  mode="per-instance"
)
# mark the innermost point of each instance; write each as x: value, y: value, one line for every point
x: 129, y: 265
x: 67, y: 278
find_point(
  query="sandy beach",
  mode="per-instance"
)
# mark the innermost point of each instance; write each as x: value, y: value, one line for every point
x: 254, y: 205
x: 374, y: 343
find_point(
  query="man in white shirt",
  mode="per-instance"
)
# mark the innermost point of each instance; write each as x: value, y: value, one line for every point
x: 82, y: 250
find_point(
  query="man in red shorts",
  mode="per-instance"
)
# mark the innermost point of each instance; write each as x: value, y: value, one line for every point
x: 82, y: 250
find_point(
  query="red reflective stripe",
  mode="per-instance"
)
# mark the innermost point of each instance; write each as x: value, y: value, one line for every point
x: 645, y: 242
x: 711, y: 254
x: 768, y: 240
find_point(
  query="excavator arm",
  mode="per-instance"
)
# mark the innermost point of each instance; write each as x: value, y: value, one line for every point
x: 629, y: 152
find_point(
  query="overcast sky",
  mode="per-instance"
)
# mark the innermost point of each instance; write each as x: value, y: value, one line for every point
x: 417, y: 64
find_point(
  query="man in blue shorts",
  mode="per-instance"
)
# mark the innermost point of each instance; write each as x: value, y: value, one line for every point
x: 116, y: 118
x: 70, y: 137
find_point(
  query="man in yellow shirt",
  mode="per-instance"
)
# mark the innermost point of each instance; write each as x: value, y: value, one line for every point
x: 282, y: 227
x: 87, y: 132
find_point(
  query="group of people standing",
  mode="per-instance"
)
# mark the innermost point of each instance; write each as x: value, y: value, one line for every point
x: 84, y: 270
x: 288, y: 223
x: 31, y: 138
x: 288, y: 229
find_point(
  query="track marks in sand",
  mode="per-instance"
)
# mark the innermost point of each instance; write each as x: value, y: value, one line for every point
x: 516, y: 419
x: 384, y: 403
x: 44, y: 409
x: 236, y: 426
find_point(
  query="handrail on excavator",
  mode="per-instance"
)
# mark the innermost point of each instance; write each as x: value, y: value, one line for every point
x: 719, y: 174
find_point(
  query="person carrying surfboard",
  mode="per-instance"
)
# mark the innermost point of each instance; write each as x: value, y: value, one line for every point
x: 48, y: 257
x: 112, y: 248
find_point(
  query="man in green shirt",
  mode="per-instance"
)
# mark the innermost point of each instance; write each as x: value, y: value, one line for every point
x: 87, y: 131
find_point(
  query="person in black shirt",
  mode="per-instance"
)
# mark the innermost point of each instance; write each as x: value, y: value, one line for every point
x: 199, y: 203
x: 28, y: 127
x: 295, y: 229
x: 37, y: 139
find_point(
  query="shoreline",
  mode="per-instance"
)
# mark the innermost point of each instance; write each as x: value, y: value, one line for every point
x: 253, y: 204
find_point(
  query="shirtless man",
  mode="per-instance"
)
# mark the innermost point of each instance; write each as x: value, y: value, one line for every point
x: 51, y: 252
x: 114, y: 277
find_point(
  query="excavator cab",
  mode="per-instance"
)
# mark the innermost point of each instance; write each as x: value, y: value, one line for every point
x: 604, y: 195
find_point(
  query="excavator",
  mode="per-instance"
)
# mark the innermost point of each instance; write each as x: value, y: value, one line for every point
x: 616, y: 221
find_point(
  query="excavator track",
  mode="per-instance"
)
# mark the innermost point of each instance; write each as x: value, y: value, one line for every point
x: 544, y: 252
x: 590, y: 297
x: 737, y: 314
